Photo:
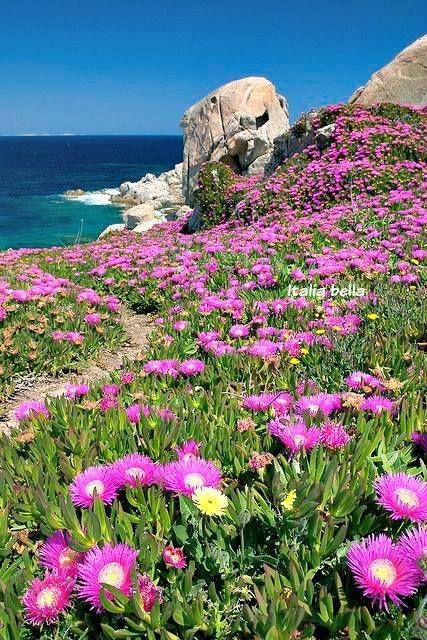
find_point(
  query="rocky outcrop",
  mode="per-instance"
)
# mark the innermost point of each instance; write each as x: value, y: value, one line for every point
x: 154, y: 196
x: 236, y: 124
x: 112, y: 228
x: 403, y: 81
x: 300, y: 136
x: 145, y: 212
x: 74, y: 193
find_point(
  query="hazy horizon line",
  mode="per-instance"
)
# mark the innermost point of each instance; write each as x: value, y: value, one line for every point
x: 74, y: 135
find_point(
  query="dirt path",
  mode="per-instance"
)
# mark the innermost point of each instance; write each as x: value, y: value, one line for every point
x: 37, y: 387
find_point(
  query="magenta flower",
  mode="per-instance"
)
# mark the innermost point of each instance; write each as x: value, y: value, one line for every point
x: 381, y: 570
x: 134, y: 469
x: 189, y: 450
x: 403, y: 496
x: 377, y: 404
x: 162, y: 367
x: 186, y: 476
x: 420, y: 439
x: 150, y: 593
x: 174, y: 557
x: 76, y: 390
x: 413, y: 545
x: 93, y: 319
x: 110, y: 390
x: 127, y: 377
x: 238, y: 331
x: 97, y: 480
x: 108, y: 402
x: 133, y: 413
x: 56, y: 554
x: 46, y: 598
x: 112, y: 565
x: 191, y: 367
x: 180, y: 325
x: 334, y: 435
x: 30, y: 409
x: 324, y: 403
x: 295, y: 436
x: 359, y: 380
x: 261, y: 402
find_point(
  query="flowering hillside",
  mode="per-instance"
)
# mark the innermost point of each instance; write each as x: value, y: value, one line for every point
x: 259, y: 472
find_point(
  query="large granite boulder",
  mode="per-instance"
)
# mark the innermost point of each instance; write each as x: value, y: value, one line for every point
x: 402, y: 81
x: 162, y: 192
x: 236, y: 124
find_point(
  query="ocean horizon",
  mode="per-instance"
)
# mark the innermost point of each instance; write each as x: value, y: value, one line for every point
x: 37, y: 169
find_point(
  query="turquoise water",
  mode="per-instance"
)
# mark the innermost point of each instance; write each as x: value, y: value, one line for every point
x: 36, y: 171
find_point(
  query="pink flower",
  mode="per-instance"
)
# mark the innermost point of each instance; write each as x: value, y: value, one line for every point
x: 133, y: 413
x: 110, y: 390
x: 93, y: 319
x: 381, y: 570
x: 97, y: 480
x: 186, y: 476
x: 127, y: 377
x: 180, y: 325
x: 30, y: 409
x: 413, y: 545
x: 403, y: 496
x: 377, y: 404
x: 134, y: 469
x: 162, y: 367
x: 191, y: 367
x: 150, y: 593
x: 360, y: 380
x: 323, y: 403
x: 108, y: 402
x: 76, y: 390
x: 56, y: 554
x: 334, y: 435
x: 189, y: 450
x: 420, y: 439
x: 238, y: 331
x: 262, y: 402
x: 260, y: 460
x: 174, y: 557
x: 112, y: 565
x: 45, y: 599
x: 295, y: 436
x: 74, y: 336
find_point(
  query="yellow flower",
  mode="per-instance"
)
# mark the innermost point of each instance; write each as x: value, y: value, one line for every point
x: 336, y: 327
x: 320, y: 332
x: 372, y: 316
x: 289, y: 500
x: 294, y: 361
x: 210, y: 501
x: 414, y: 261
x: 304, y: 351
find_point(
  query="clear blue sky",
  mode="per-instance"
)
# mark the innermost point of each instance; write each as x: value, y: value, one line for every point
x: 134, y: 66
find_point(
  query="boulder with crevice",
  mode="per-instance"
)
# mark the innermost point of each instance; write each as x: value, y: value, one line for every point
x: 235, y: 124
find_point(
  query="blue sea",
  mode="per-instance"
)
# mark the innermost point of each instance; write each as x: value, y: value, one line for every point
x: 35, y: 171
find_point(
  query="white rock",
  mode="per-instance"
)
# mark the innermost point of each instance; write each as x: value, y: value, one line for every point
x: 402, y: 81
x: 111, y: 228
x: 147, y: 225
